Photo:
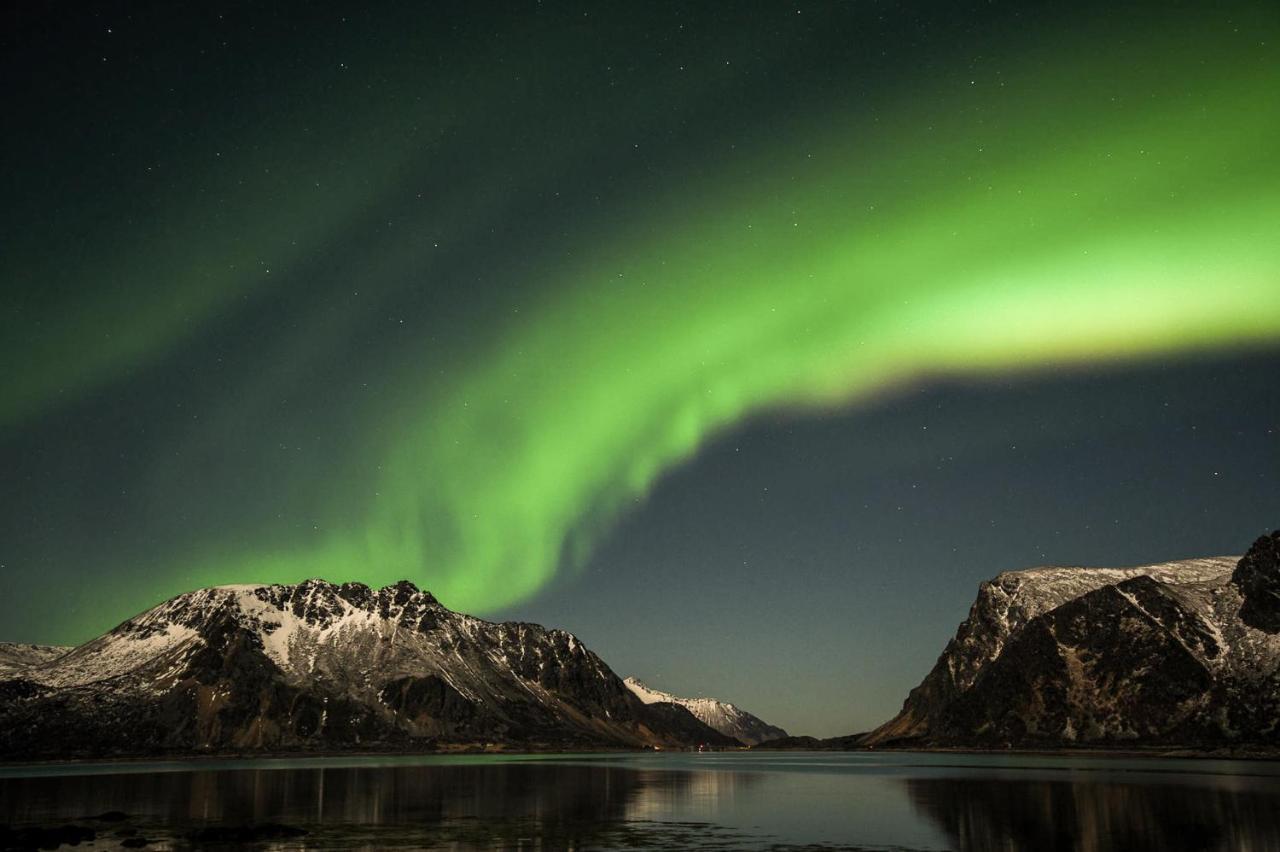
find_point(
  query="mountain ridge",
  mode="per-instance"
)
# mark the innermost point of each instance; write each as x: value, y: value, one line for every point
x: 317, y: 666
x: 1175, y: 654
x: 728, y: 719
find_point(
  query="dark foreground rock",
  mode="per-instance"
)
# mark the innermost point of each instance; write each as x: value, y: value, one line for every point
x: 34, y: 837
x: 241, y: 834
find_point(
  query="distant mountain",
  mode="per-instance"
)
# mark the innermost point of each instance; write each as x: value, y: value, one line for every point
x: 321, y: 667
x: 720, y: 715
x: 1180, y: 654
x: 848, y: 742
x: 15, y: 657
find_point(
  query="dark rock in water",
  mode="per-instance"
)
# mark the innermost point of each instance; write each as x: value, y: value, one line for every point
x: 112, y: 816
x: 318, y: 667
x: 1174, y: 655
x: 135, y: 842
x: 1258, y: 576
x: 245, y: 833
x: 33, y: 837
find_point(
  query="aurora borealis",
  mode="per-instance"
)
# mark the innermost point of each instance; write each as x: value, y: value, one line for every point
x: 445, y: 294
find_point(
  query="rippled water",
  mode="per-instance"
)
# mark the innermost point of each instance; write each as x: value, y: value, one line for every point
x: 731, y: 801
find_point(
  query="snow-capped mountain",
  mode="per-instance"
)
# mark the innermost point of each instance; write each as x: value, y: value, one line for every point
x: 1180, y: 653
x: 720, y: 715
x: 321, y: 667
x: 14, y: 656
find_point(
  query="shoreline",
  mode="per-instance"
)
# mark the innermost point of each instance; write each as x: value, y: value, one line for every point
x: 1163, y: 752
x: 211, y: 759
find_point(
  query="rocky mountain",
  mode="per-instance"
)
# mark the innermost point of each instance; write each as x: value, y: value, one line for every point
x: 321, y: 667
x: 1177, y: 654
x: 720, y: 715
x: 15, y: 657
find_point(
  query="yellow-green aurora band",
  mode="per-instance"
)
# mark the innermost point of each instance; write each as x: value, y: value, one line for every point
x: 1097, y: 199
x: 1028, y: 222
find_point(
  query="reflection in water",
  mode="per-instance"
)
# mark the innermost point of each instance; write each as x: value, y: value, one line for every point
x: 375, y: 795
x: 528, y: 804
x: 779, y: 801
x: 1086, y: 816
x: 659, y: 795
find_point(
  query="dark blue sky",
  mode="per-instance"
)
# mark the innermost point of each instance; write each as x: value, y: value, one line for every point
x: 811, y: 569
x: 446, y: 290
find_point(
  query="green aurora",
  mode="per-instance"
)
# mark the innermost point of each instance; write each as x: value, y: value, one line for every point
x: 793, y: 279
x: 1096, y: 199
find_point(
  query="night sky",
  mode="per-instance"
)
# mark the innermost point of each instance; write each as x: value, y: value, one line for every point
x: 741, y: 339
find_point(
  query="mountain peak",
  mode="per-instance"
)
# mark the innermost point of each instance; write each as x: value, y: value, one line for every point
x: 1158, y: 654
x: 720, y: 715
x: 1257, y: 575
x: 315, y: 665
x: 316, y: 601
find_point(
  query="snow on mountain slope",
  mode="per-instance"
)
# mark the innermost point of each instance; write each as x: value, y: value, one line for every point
x: 720, y: 715
x: 322, y: 666
x: 1181, y: 652
x: 15, y: 657
x: 1013, y: 598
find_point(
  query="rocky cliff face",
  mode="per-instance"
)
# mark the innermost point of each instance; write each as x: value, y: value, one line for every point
x: 1182, y: 653
x: 318, y: 666
x: 724, y: 717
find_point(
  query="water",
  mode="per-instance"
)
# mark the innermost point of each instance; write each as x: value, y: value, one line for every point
x: 728, y: 801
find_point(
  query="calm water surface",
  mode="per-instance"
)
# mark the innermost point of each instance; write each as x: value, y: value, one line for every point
x: 732, y: 801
